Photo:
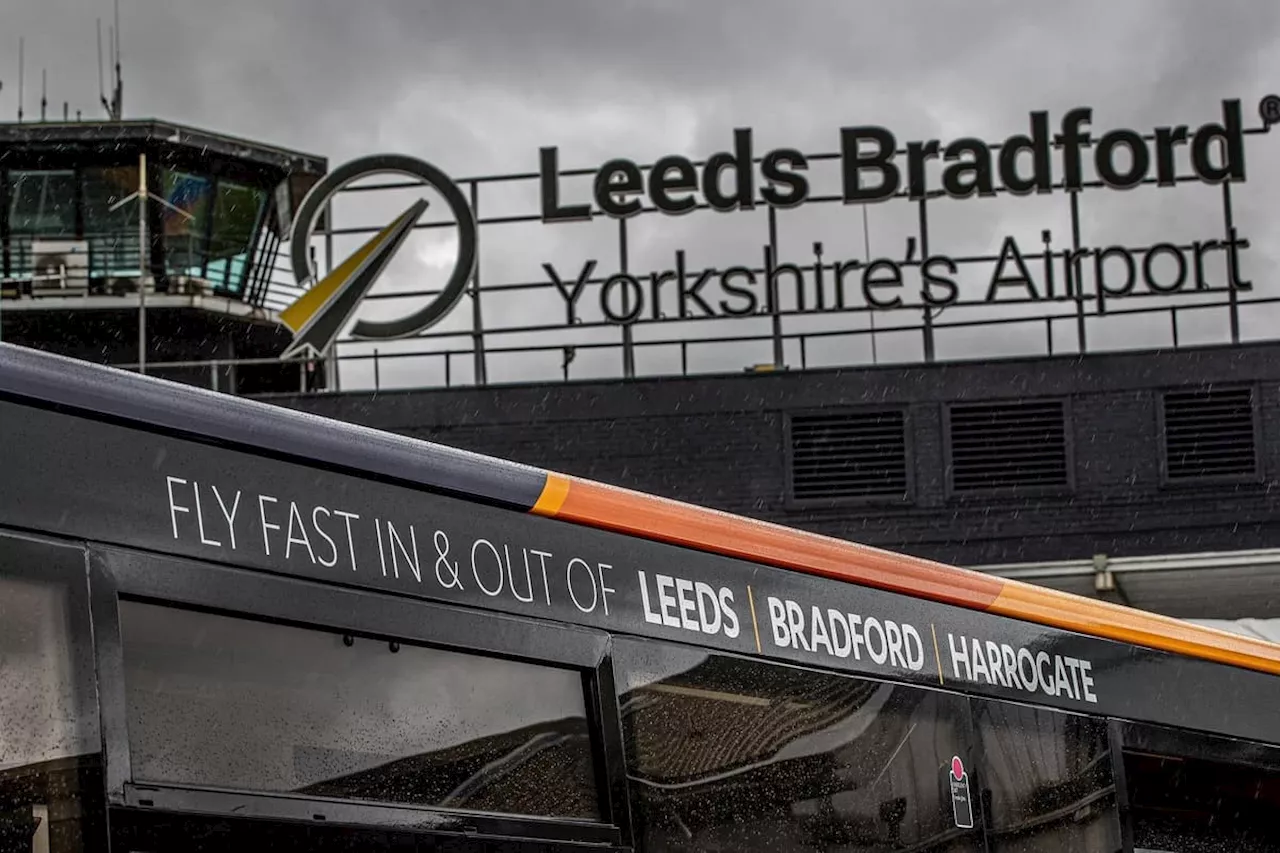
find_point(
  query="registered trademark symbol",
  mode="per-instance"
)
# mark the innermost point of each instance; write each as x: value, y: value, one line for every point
x: 1269, y: 110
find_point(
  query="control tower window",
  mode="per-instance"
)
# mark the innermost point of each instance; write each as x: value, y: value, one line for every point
x: 43, y: 204
x: 112, y: 235
x: 185, y: 221
x: 236, y: 212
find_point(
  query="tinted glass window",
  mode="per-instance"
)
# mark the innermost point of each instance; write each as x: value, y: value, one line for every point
x: 185, y: 221
x: 232, y: 703
x: 43, y: 203
x: 235, y: 218
x: 1047, y: 780
x: 112, y: 234
x: 1190, y: 805
x: 727, y: 754
x: 50, y: 780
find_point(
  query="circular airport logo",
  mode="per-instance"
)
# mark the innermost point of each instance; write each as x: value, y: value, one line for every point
x: 320, y: 313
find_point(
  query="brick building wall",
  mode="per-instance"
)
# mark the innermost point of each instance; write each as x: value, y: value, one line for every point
x: 722, y: 441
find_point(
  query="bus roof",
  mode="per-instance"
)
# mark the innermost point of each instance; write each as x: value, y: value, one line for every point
x: 153, y: 404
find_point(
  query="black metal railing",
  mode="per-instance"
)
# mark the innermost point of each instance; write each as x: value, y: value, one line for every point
x: 113, y: 267
x: 447, y: 367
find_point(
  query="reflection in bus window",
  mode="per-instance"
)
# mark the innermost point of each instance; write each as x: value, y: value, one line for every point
x: 1188, y: 804
x: 222, y: 702
x: 1048, y: 781
x: 50, y: 779
x: 727, y: 754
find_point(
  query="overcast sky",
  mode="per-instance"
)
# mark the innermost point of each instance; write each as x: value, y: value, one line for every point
x: 477, y: 86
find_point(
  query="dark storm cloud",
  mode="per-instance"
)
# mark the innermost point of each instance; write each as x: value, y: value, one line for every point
x: 321, y: 72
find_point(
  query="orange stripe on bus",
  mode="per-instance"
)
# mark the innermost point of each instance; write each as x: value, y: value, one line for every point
x: 705, y: 529
x: 1138, y: 627
x: 634, y: 513
x: 554, y: 491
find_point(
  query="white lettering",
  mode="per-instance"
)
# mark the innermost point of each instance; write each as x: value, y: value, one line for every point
x: 266, y: 525
x: 855, y: 636
x: 894, y: 633
x: 1085, y: 680
x: 229, y: 515
x: 410, y: 554
x: 980, y: 662
x: 174, y: 509
x: 546, y: 585
x: 1017, y: 668
x: 649, y: 615
x: 795, y: 622
x: 778, y: 619
x: 960, y: 656
x: 709, y: 617
x: 349, y: 517
x: 382, y: 553
x: 1027, y: 663
x: 204, y: 540
x: 1046, y: 680
x: 528, y: 576
x: 687, y: 604
x: 819, y: 629
x: 568, y: 576
x: 1011, y: 665
x: 475, y: 566
x: 731, y: 626
x: 605, y: 591
x: 315, y: 522
x: 873, y: 629
x: 295, y: 523
x: 996, y: 663
x: 840, y: 647
x: 1074, y: 666
x: 1060, y: 676
x: 667, y: 601
x: 915, y: 647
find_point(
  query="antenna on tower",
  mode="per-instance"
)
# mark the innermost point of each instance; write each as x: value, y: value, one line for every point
x: 117, y: 98
x: 20, y: 67
x: 44, y: 92
x: 102, y: 89
x: 117, y: 87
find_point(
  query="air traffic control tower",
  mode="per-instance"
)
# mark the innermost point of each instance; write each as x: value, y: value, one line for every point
x: 205, y: 287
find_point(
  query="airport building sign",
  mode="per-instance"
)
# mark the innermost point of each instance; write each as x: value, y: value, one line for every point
x: 1064, y: 154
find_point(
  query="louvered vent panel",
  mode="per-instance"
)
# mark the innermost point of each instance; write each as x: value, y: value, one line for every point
x: 849, y: 455
x: 1209, y: 433
x: 1006, y: 445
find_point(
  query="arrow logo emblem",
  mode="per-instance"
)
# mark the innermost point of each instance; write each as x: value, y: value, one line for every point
x: 318, y: 316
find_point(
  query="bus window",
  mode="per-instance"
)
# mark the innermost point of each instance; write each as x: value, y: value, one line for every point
x: 728, y: 754
x: 1183, y: 804
x: 220, y: 702
x: 1047, y: 779
x: 50, y: 767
